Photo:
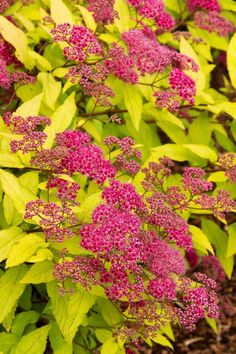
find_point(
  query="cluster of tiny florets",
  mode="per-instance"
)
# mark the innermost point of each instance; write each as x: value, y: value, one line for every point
x: 103, y: 10
x: 213, y: 22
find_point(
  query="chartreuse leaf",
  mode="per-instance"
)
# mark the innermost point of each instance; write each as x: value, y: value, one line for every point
x: 30, y: 180
x: 69, y: 310
x: 51, y: 89
x: 200, y: 240
x: 8, y: 238
x: 7, y: 342
x: 41, y: 63
x: 88, y: 18
x: 58, y: 343
x: 11, y: 289
x: 110, y: 346
x: 7, y: 322
x: 202, y: 151
x: 176, y: 152
x: 199, y: 77
x: 11, y: 215
x: 9, y: 160
x: 39, y: 273
x: 60, y: 12
x: 103, y: 335
x: 133, y: 103
x: 33, y: 342
x: 24, y: 249
x: 61, y: 119
x: 17, y: 38
x: 122, y: 22
x: 30, y: 108
x: 219, y: 239
x: 231, y: 60
x: 162, y: 340
x: 22, y: 320
x: 231, y: 247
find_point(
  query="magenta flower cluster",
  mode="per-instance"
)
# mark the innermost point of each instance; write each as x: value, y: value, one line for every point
x: 131, y: 244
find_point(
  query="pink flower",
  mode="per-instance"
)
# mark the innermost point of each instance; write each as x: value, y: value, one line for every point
x: 183, y: 85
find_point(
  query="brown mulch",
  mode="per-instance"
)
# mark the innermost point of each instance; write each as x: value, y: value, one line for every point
x: 203, y: 340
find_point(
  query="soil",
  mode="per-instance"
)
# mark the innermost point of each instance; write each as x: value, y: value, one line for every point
x: 203, y: 340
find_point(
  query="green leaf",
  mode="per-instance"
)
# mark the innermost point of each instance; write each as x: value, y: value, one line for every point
x: 30, y: 108
x: 9, y: 160
x: 175, y: 152
x: 69, y: 310
x: 200, y: 239
x: 51, y: 89
x: 33, y: 342
x: 7, y: 239
x: 160, y: 339
x: 110, y: 347
x: 218, y: 176
x: 24, y: 249
x: 58, y: 343
x: 17, y: 38
x: 109, y: 312
x: 133, y: 103
x: 231, y: 60
x: 219, y: 239
x: 22, y: 320
x: 7, y: 342
x: 231, y: 247
x: 39, y: 273
x: 88, y: 18
x: 30, y: 180
x: 61, y: 119
x: 11, y: 289
x: 60, y: 12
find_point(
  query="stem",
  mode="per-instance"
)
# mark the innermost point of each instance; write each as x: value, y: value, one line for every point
x: 108, y: 112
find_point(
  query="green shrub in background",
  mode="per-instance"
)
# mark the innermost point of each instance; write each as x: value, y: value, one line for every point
x: 117, y: 171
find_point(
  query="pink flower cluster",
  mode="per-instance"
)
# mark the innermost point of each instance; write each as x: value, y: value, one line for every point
x: 183, y: 85
x: 5, y: 4
x: 127, y: 159
x: 211, y: 5
x: 228, y: 163
x: 155, y: 10
x: 213, y: 22
x: 33, y: 138
x: 103, y: 10
x: 80, y: 39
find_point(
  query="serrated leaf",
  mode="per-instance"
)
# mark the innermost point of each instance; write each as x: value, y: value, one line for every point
x: 22, y: 320
x: 39, y: 273
x: 60, y: 12
x: 61, y: 119
x: 133, y: 103
x: 7, y: 239
x: 199, y: 238
x: 33, y: 342
x: 11, y: 289
x: 231, y: 60
x: 69, y: 310
x: 24, y: 249
x: 30, y: 108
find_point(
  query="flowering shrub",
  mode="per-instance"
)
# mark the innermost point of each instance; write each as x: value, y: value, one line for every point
x: 117, y: 171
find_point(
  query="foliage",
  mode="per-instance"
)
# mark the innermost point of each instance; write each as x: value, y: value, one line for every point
x: 117, y: 173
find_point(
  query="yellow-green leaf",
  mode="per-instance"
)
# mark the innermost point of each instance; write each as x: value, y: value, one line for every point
x: 12, y: 187
x: 231, y: 60
x: 8, y: 238
x: 24, y: 249
x: 9, y: 160
x: 69, y: 310
x: 60, y: 12
x: 200, y: 240
x: 133, y: 103
x: 88, y: 18
x: 34, y: 342
x: 39, y: 273
x: 30, y: 108
x: 61, y: 119
x: 110, y: 346
x: 11, y: 289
